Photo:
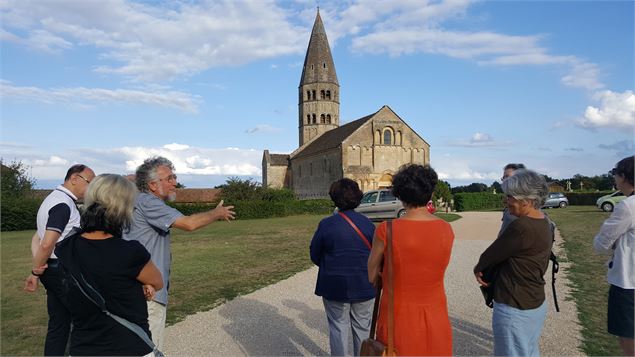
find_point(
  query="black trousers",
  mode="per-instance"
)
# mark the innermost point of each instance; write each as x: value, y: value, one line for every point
x: 59, y: 326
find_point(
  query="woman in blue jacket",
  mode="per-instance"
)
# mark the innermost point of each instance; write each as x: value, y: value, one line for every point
x: 340, y: 247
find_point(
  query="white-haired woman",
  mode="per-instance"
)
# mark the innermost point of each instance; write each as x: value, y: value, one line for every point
x: 520, y: 256
x: 121, y: 271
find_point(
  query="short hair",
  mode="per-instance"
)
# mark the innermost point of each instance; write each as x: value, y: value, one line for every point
x: 147, y: 172
x: 414, y: 184
x: 109, y: 201
x: 527, y: 185
x: 625, y: 168
x: 346, y: 194
x: 512, y: 166
x: 75, y: 169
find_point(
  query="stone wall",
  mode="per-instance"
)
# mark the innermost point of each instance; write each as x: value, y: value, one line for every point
x: 312, y: 176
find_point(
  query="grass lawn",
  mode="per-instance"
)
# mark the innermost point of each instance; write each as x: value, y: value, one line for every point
x: 578, y: 225
x: 209, y: 267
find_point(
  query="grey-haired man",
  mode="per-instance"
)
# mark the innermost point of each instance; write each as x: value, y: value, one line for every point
x: 152, y: 220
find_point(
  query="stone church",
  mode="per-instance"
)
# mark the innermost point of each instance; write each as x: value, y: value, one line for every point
x: 368, y: 150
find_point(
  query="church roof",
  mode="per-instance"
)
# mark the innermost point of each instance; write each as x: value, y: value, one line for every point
x: 279, y: 159
x: 332, y: 138
x: 318, y: 63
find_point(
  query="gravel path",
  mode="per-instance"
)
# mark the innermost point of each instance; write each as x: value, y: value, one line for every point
x: 287, y: 319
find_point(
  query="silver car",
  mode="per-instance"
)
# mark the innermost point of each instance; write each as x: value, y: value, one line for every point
x: 380, y: 204
x: 556, y: 199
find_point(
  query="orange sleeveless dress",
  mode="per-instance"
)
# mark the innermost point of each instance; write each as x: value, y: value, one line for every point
x: 421, y: 253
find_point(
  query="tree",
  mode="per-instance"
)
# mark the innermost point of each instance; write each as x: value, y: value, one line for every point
x: 15, y: 181
x: 235, y: 189
x: 442, y: 191
x: 496, y: 186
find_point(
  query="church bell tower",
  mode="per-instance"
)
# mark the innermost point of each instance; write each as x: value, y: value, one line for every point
x: 319, y: 90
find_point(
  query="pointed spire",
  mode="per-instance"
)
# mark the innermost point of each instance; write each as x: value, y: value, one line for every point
x: 318, y: 63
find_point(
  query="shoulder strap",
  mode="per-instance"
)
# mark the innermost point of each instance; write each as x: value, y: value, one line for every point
x: 96, y: 298
x: 391, y: 291
x: 359, y: 233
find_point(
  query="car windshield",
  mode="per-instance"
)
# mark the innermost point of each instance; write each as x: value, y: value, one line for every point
x: 370, y: 197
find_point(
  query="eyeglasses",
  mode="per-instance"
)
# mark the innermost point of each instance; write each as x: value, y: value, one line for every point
x: 83, y: 178
x: 170, y: 178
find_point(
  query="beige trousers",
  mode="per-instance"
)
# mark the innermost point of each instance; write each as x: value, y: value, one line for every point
x: 156, y: 318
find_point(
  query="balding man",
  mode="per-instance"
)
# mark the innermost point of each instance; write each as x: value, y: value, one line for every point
x: 56, y: 218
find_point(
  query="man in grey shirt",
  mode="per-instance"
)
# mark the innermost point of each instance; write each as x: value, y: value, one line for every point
x: 152, y: 220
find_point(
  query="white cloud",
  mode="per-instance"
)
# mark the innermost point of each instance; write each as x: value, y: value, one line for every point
x: 583, y: 75
x: 615, y: 110
x: 176, y: 147
x: 152, y: 42
x: 52, y: 161
x: 85, y: 97
x: 460, y: 170
x: 262, y: 128
x: 479, y: 140
x: 188, y: 160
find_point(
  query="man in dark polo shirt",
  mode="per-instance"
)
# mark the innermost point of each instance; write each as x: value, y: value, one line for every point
x: 56, y: 218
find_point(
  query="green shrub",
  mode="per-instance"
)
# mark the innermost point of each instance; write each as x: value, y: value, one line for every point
x: 585, y: 198
x: 474, y: 201
x: 277, y: 194
x: 19, y: 213
x: 262, y: 209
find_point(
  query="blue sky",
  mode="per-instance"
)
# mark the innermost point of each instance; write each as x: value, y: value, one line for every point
x: 210, y: 84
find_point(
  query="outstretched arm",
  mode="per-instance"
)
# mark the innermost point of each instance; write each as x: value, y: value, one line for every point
x: 198, y: 220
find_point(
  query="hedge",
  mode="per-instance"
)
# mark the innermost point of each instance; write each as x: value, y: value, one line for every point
x: 264, y: 209
x: 475, y: 201
x: 585, y: 198
x: 18, y: 214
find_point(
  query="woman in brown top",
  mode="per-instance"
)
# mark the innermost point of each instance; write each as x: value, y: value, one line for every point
x: 520, y: 256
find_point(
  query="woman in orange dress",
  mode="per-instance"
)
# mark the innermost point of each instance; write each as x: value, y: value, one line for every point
x: 422, y: 244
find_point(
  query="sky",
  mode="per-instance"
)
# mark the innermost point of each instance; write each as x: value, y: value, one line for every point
x: 211, y: 84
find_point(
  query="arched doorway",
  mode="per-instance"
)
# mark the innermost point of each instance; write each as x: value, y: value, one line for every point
x: 385, y: 181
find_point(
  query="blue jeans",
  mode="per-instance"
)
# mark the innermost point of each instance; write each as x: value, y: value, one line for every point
x: 342, y: 316
x: 517, y: 332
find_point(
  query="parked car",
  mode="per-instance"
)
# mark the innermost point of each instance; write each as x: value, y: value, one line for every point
x: 556, y: 199
x: 381, y: 204
x: 608, y: 202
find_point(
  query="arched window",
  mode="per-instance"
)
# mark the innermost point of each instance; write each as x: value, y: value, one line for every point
x: 313, y: 95
x: 328, y: 118
x: 322, y: 119
x: 308, y: 118
x: 322, y: 94
x: 328, y: 94
x: 313, y: 117
x: 324, y: 64
x: 387, y: 137
x: 308, y: 95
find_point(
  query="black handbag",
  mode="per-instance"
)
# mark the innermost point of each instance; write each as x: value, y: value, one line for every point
x: 489, y: 276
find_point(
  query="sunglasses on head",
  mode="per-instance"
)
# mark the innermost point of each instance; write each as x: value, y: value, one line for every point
x: 613, y: 172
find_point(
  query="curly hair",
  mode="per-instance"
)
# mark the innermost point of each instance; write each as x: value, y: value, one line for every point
x: 414, y: 184
x: 147, y: 172
x: 109, y: 201
x: 345, y: 193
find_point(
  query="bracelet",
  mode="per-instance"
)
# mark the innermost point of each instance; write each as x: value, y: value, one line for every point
x: 34, y: 273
